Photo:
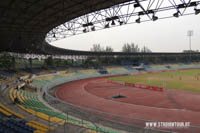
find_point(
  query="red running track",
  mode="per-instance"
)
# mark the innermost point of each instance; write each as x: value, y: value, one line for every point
x: 167, y: 106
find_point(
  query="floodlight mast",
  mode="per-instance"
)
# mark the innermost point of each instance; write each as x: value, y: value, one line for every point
x: 190, y: 34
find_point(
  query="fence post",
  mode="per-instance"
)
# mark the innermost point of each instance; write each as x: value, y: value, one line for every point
x: 81, y: 122
x: 49, y: 123
x: 64, y: 126
x: 36, y: 115
x: 145, y: 130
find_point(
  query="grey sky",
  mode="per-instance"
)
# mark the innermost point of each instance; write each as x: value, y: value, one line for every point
x: 167, y: 35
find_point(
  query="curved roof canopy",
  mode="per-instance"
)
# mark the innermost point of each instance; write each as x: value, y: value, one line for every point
x: 24, y: 24
x: 126, y: 13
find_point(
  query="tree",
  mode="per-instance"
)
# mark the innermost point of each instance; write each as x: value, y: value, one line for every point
x: 30, y: 62
x: 126, y: 48
x: 109, y: 49
x: 49, y: 61
x: 135, y: 48
x: 6, y: 61
x: 97, y: 48
x: 145, y: 50
x: 130, y: 48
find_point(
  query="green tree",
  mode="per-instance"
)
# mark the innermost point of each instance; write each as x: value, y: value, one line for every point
x: 145, y: 50
x: 97, y: 48
x: 6, y: 61
x: 109, y: 49
x: 133, y: 48
x: 49, y: 61
x: 126, y: 48
x: 130, y: 48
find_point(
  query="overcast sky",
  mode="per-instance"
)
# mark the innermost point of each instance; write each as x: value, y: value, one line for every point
x: 166, y: 35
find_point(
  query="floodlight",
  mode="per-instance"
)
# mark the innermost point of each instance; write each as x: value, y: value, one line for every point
x: 197, y: 11
x: 136, y: 5
x: 137, y: 20
x: 93, y: 28
x: 112, y: 18
x: 113, y: 22
x: 87, y: 24
x: 121, y: 22
x: 150, y: 12
x: 107, y: 25
x: 154, y: 18
x: 176, y: 14
x: 181, y: 6
x: 141, y: 13
x: 194, y: 3
x: 84, y: 30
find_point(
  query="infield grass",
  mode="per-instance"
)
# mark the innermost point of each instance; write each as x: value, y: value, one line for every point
x: 183, y: 80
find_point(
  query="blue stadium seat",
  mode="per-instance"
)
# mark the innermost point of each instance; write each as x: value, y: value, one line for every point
x: 14, y: 126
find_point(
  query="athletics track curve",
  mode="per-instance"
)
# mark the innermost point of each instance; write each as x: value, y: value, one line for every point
x: 167, y: 106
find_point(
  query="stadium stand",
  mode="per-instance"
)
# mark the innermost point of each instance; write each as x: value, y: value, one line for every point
x: 13, y: 122
x: 87, y: 71
x: 13, y: 126
x: 32, y: 104
x: 27, y: 27
x: 131, y: 69
x: 11, y: 119
x: 153, y: 68
x: 117, y: 70
x: 102, y: 71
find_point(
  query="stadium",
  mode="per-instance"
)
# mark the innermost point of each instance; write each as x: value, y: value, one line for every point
x: 45, y: 88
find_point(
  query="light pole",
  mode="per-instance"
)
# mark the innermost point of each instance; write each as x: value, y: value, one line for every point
x: 190, y: 34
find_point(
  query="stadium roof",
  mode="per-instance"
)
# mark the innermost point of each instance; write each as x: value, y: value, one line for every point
x: 25, y: 23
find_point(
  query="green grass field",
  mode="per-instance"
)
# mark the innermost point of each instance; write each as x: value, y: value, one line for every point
x: 188, y: 80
